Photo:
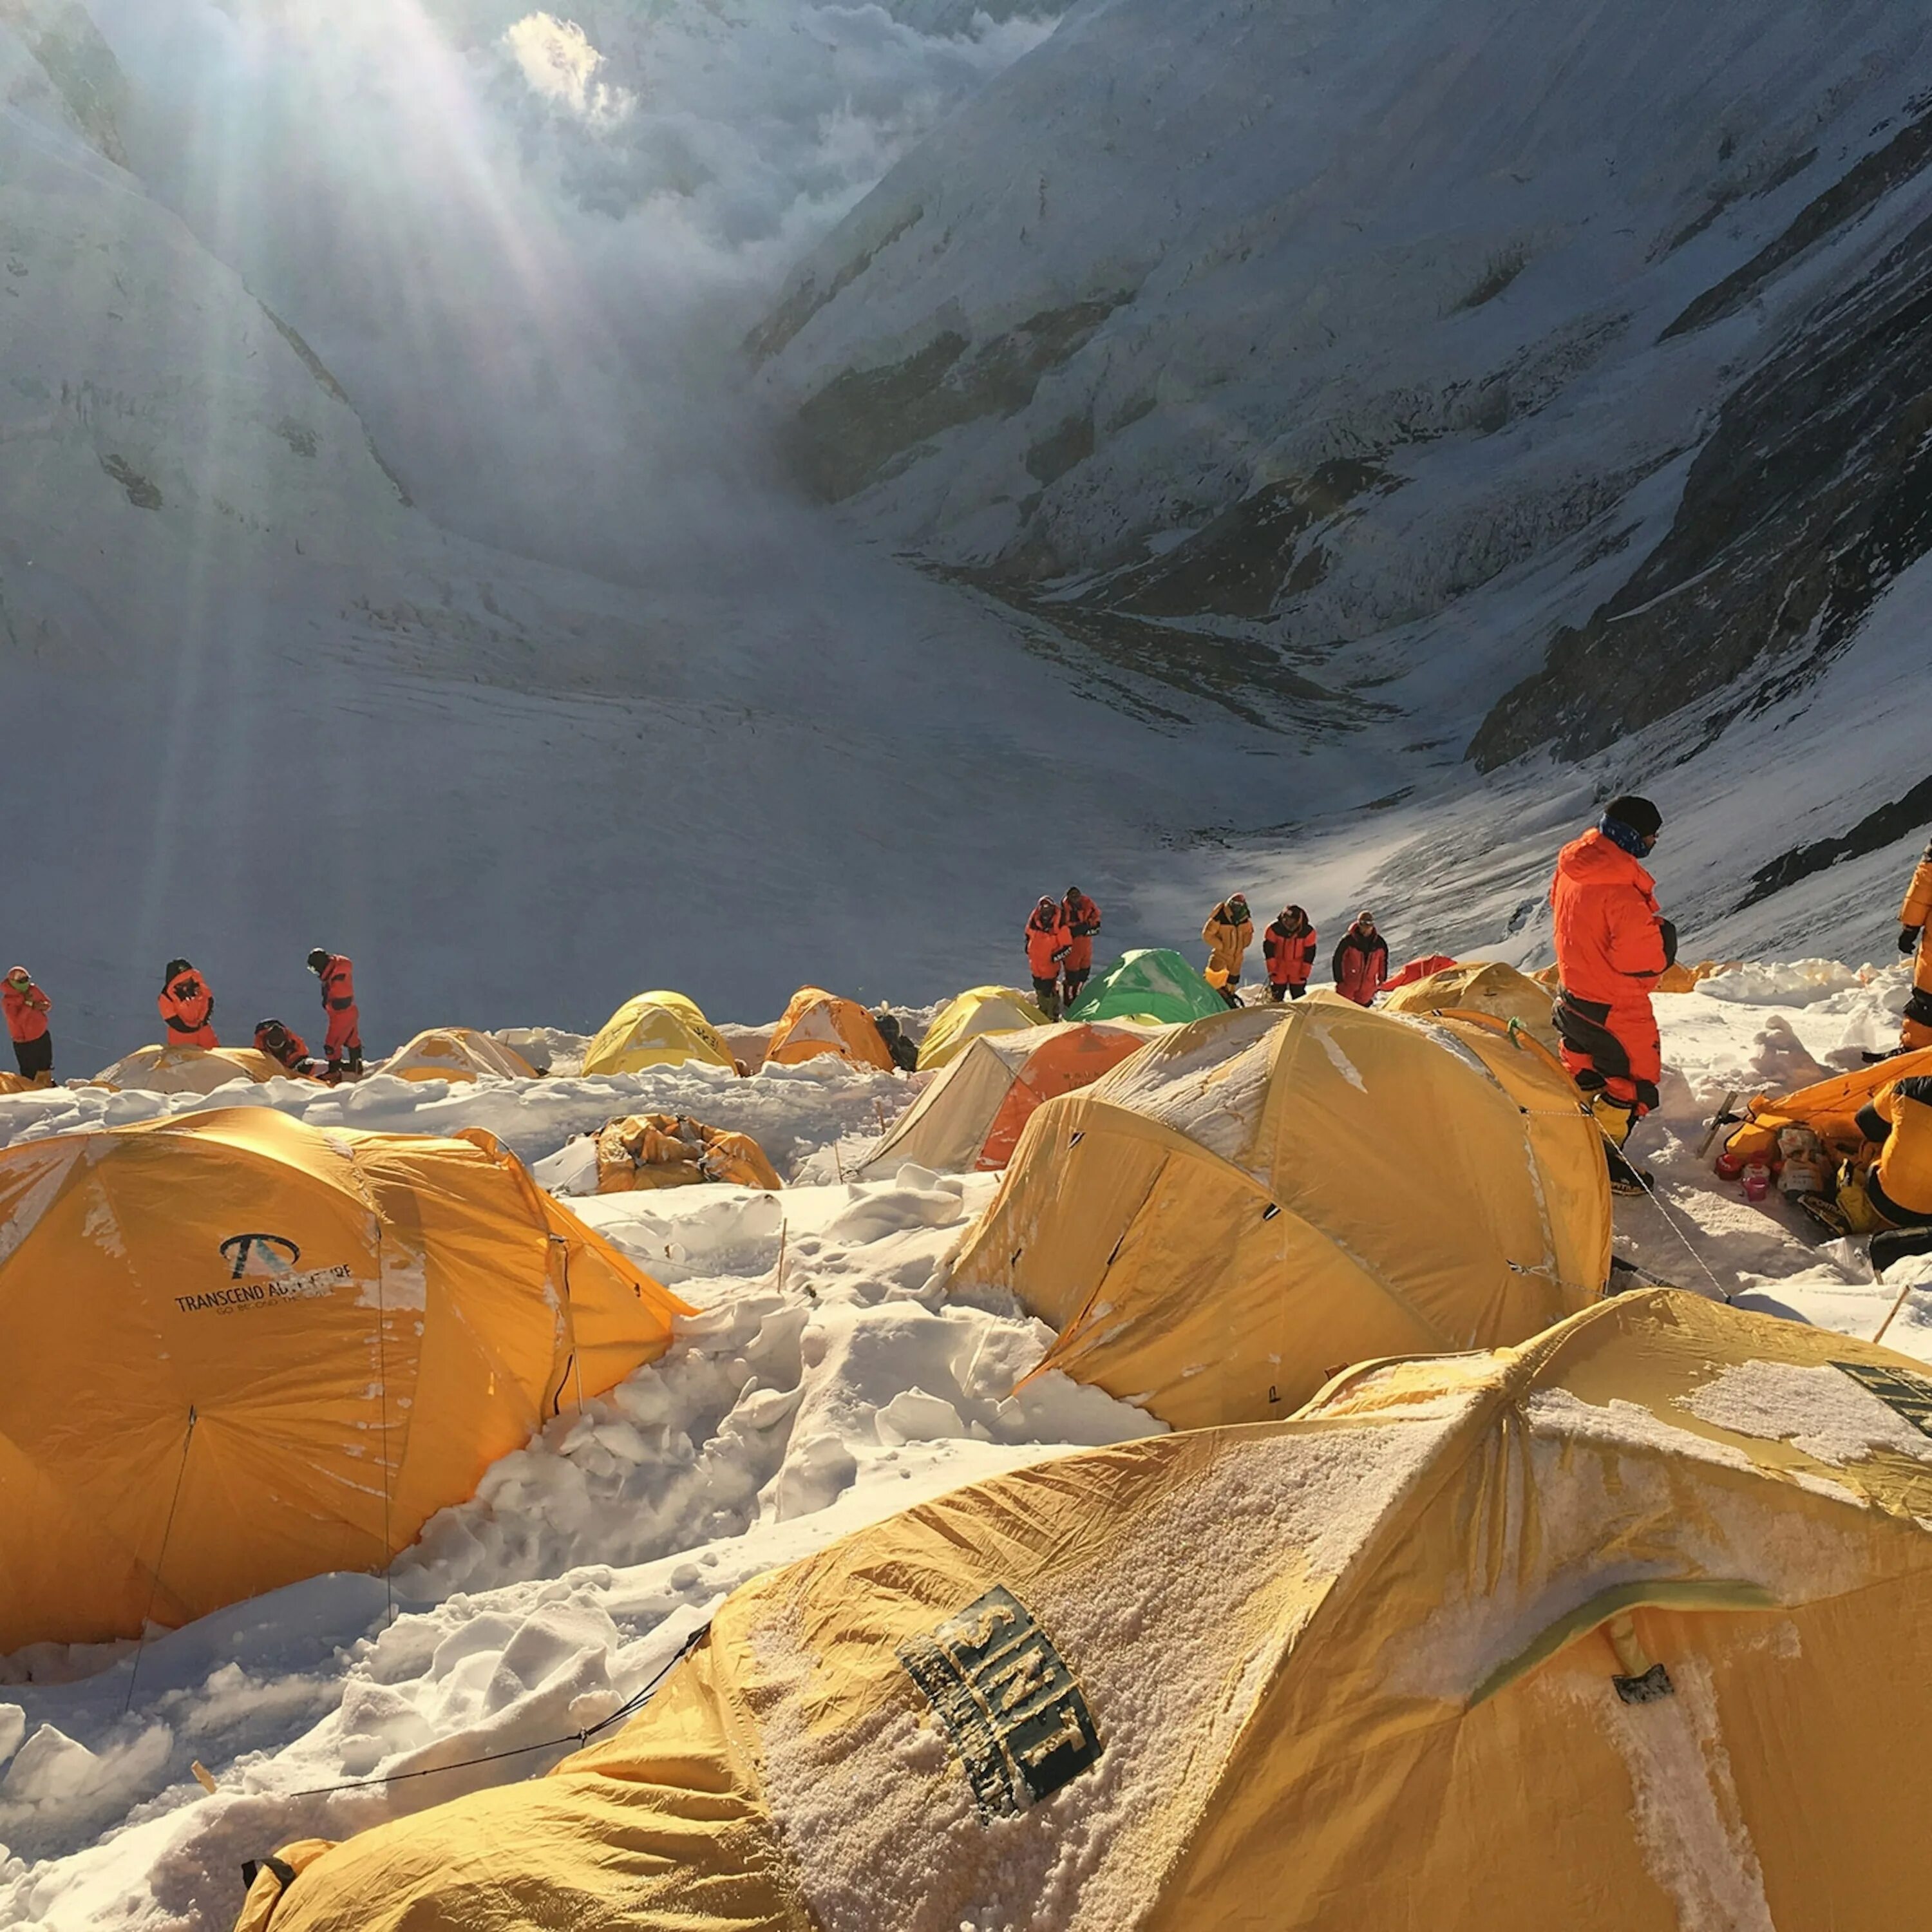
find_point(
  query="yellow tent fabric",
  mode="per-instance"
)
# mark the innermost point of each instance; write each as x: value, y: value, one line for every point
x: 1258, y: 1197
x: 656, y: 1029
x: 18, y: 1083
x: 242, y: 1351
x: 970, y: 1118
x: 1629, y: 1626
x: 1480, y: 986
x: 188, y: 1069
x: 1829, y: 1108
x: 457, y: 1053
x: 979, y: 1009
x: 644, y: 1151
x: 817, y: 1023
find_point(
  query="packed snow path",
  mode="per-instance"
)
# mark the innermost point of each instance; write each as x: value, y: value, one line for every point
x: 825, y: 1383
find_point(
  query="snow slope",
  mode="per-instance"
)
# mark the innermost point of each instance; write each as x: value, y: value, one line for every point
x: 271, y: 704
x: 825, y: 1381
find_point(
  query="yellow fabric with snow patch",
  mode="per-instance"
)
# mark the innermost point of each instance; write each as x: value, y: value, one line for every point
x: 1358, y: 1669
x: 358, y: 1325
x: 656, y: 1029
x: 456, y: 1053
x: 817, y: 1023
x: 981, y: 1009
x: 1257, y: 1198
x: 188, y: 1069
x: 1482, y: 986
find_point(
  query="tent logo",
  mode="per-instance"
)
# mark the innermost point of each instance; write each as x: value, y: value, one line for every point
x: 1017, y: 1718
x: 258, y: 1254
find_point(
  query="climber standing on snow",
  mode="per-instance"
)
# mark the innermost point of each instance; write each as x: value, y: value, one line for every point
x: 187, y: 1006
x: 1083, y: 921
x: 1612, y: 946
x: 1228, y: 934
x: 1915, y: 942
x: 1360, y: 964
x: 27, y: 1008
x: 344, y: 1040
x: 1288, y: 945
x: 1049, y: 941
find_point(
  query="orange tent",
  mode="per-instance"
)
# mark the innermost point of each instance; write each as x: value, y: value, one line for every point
x: 242, y: 1351
x: 817, y: 1023
x: 969, y: 1119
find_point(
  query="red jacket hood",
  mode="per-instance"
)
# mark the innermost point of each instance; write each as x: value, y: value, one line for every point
x: 1593, y: 860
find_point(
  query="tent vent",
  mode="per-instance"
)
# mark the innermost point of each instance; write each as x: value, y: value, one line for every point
x: 1652, y: 1687
x: 1907, y: 1395
x: 1271, y: 1210
x: 1078, y: 1135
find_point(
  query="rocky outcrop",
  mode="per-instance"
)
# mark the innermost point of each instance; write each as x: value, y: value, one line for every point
x: 1813, y: 494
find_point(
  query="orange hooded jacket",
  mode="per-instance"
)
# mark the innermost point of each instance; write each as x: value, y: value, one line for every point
x: 1611, y: 946
x: 1047, y: 938
x: 1917, y: 912
x: 338, y: 1002
x: 1080, y: 911
x: 26, y: 1011
x: 185, y: 1004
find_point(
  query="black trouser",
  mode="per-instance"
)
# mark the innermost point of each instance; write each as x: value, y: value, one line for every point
x: 1278, y: 990
x: 1076, y: 979
x: 35, y: 1056
x: 1046, y: 996
x: 1229, y: 992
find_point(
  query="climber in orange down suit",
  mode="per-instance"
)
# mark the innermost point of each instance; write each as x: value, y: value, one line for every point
x: 1613, y: 946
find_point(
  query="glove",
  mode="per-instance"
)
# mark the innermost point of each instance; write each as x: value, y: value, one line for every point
x: 1908, y: 937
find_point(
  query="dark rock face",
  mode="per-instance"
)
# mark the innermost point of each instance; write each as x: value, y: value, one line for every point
x: 849, y: 432
x: 1814, y: 493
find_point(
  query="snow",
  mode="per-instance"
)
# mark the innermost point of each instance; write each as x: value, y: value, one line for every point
x: 826, y: 1380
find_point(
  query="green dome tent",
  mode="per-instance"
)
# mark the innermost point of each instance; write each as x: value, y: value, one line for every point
x: 1153, y: 983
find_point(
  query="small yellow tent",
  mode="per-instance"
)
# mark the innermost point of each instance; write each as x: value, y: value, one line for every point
x: 1629, y: 1628
x: 1258, y: 1197
x: 656, y: 1029
x: 188, y: 1069
x: 642, y: 1151
x: 1480, y: 986
x: 981, y: 1009
x: 19, y: 1083
x: 970, y: 1118
x: 817, y: 1023
x: 457, y: 1053
x: 242, y: 1351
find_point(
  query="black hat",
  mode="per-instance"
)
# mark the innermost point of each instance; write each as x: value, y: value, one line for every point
x: 318, y: 959
x: 177, y: 966
x: 1639, y: 814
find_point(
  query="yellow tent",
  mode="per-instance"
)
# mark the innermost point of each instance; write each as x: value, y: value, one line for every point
x: 1480, y: 986
x: 188, y: 1069
x: 656, y: 1029
x: 981, y: 1009
x: 19, y: 1083
x: 1255, y: 1197
x: 1629, y: 1628
x: 817, y: 1023
x: 644, y: 1151
x: 970, y: 1118
x: 456, y: 1053
x: 242, y: 1351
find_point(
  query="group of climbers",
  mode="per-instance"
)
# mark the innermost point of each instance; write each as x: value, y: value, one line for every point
x: 186, y: 1003
x: 1059, y: 949
x: 187, y: 1006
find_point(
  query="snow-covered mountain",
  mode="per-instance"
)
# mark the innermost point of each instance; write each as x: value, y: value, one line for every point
x: 260, y: 698
x: 1524, y: 370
